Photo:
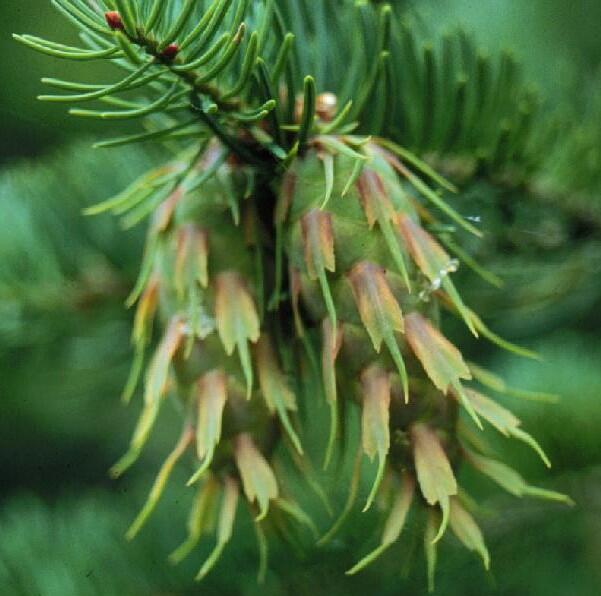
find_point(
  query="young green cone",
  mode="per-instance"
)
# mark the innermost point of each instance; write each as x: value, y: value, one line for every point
x: 364, y: 268
x: 205, y: 280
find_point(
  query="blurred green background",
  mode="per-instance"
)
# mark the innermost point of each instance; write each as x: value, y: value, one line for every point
x: 64, y: 356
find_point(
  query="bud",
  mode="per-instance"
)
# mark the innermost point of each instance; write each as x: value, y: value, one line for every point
x: 113, y: 20
x: 326, y: 106
x: 170, y: 52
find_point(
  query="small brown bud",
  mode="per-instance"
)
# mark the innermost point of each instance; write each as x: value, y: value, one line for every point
x: 234, y: 161
x: 326, y: 106
x: 170, y: 52
x: 113, y: 20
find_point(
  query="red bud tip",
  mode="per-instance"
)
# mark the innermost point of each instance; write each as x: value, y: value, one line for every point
x: 113, y: 20
x: 170, y: 52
